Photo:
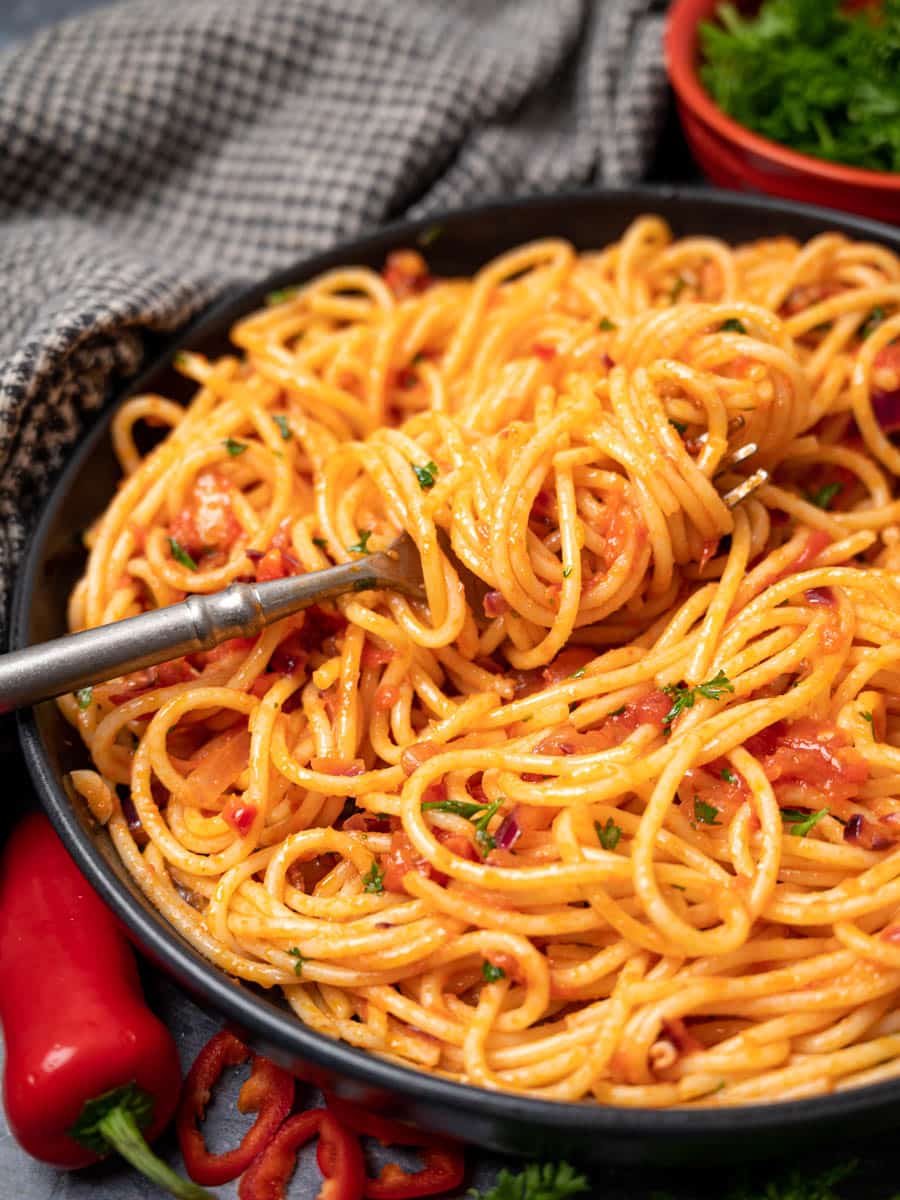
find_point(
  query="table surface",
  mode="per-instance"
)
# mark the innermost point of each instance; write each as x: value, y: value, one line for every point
x: 876, y: 1167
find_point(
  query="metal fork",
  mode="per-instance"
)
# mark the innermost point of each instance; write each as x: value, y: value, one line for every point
x: 201, y: 622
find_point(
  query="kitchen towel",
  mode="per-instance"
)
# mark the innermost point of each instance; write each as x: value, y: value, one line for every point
x: 155, y: 153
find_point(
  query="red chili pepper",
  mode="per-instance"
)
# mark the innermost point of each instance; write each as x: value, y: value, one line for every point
x: 444, y: 1163
x: 89, y: 1069
x: 339, y: 1156
x: 269, y: 1092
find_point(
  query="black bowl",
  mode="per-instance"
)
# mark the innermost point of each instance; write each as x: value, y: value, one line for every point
x: 55, y: 558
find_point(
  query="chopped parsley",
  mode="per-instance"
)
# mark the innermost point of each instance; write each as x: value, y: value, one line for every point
x: 485, y: 842
x: 298, y: 965
x: 362, y: 546
x: 684, y: 697
x: 425, y: 475
x: 577, y: 674
x: 729, y: 776
x: 235, y: 448
x: 364, y: 583
x: 538, y: 1181
x: 800, y: 822
x: 679, y: 426
x: 374, y: 881
x: 608, y: 835
x: 180, y: 360
x: 677, y: 288
x: 867, y: 716
x: 281, y: 296
x: 282, y: 422
x: 181, y: 555
x: 490, y: 973
x: 704, y: 814
x: 320, y: 542
x: 84, y: 697
x: 811, y: 75
x: 607, y: 325
x: 459, y: 808
x: 823, y: 497
x: 430, y: 235
x: 732, y: 325
x: 872, y: 321
x: 567, y: 571
x: 617, y: 712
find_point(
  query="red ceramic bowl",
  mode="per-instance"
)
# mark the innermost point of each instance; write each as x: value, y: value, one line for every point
x: 733, y: 157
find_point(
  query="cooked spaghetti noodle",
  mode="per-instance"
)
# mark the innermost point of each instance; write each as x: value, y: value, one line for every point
x: 632, y: 831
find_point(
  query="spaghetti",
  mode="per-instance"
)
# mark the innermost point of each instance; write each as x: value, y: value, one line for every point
x: 630, y: 833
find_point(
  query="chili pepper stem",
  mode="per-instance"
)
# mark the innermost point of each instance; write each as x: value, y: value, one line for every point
x: 120, y: 1129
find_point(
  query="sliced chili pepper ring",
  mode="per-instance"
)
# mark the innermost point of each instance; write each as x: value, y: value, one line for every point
x: 269, y: 1091
x: 339, y: 1157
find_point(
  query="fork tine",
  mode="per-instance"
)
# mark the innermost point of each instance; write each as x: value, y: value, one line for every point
x: 746, y: 487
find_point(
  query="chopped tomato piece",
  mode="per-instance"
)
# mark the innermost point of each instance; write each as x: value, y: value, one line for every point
x: 413, y: 756
x: 543, y: 351
x: 817, y: 541
x: 811, y: 753
x: 376, y: 656
x: 403, y: 858
x: 207, y: 522
x: 566, y: 663
x: 179, y: 670
x: 807, y: 295
x: 406, y: 273
x: 867, y: 834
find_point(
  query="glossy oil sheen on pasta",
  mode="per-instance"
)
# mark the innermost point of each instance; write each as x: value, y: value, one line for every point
x: 632, y: 832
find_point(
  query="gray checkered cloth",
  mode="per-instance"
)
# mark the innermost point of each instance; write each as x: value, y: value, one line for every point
x: 154, y: 153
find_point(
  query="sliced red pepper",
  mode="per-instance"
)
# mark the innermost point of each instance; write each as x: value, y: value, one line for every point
x: 339, y: 1156
x: 444, y: 1163
x: 269, y: 1091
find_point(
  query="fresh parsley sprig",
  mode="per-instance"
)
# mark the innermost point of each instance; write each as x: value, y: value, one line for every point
x: 684, y: 697
x: 539, y: 1181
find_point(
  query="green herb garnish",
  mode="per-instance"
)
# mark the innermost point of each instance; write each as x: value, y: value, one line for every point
x: 872, y: 321
x: 729, y: 776
x: 282, y: 422
x: 362, y: 546
x: 425, y: 475
x: 577, y: 674
x: 677, y: 288
x: 84, y: 697
x: 704, y: 814
x: 374, y: 880
x: 801, y: 822
x: 235, y: 448
x: 567, y: 571
x: 732, y: 325
x: 429, y: 235
x: 866, y: 716
x: 490, y: 973
x: 538, y: 1181
x: 320, y: 542
x: 298, y: 965
x: 485, y: 842
x: 812, y: 76
x: 459, y: 808
x: 617, y: 712
x: 607, y: 325
x: 823, y: 497
x: 281, y: 296
x: 685, y: 697
x: 679, y: 426
x: 181, y: 555
x: 608, y: 835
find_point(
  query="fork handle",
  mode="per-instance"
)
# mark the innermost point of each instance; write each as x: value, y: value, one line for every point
x: 198, y: 623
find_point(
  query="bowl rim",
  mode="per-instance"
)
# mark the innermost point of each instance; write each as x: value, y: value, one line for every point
x: 681, y: 45
x: 279, y: 1029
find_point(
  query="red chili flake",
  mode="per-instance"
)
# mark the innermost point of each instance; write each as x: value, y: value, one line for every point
x: 543, y: 351
x: 239, y: 816
x: 821, y: 595
x: 494, y: 604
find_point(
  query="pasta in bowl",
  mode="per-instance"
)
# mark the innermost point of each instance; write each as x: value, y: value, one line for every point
x: 628, y: 832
